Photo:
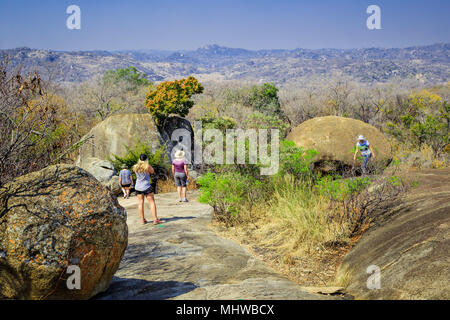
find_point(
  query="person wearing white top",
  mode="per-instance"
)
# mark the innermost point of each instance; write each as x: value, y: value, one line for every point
x: 366, y: 152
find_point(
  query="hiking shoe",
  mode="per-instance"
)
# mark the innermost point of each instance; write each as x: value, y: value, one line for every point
x: 186, y: 200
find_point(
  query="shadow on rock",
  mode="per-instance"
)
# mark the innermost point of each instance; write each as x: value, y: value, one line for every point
x: 166, y: 220
x: 137, y: 289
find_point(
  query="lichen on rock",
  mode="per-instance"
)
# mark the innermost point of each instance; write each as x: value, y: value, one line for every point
x: 54, y: 218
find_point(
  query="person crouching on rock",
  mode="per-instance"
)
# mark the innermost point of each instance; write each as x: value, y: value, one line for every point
x: 143, y: 188
x: 125, y: 181
x: 180, y: 174
x: 366, y: 152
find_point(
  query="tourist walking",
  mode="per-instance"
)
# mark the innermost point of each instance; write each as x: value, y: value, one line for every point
x: 366, y: 152
x: 125, y: 181
x: 144, y: 189
x: 180, y: 174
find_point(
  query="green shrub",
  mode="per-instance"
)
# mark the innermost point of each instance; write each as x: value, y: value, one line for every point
x: 227, y: 193
x: 340, y: 189
x: 425, y: 121
x: 296, y: 161
x: 158, y: 159
x: 221, y: 123
x: 262, y: 98
x: 261, y: 121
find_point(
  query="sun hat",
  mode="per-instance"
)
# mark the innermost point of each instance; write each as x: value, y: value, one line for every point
x: 361, y: 137
x: 179, y: 154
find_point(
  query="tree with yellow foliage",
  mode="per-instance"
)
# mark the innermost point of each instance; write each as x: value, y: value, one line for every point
x: 426, y: 120
x: 172, y: 97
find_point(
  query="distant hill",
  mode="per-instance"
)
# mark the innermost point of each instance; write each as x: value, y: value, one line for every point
x: 428, y: 64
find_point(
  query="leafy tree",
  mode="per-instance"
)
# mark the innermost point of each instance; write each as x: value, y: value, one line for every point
x: 172, y: 97
x: 130, y: 75
x: 119, y: 90
x: 425, y: 121
x: 221, y: 123
x: 157, y: 159
x: 261, y: 121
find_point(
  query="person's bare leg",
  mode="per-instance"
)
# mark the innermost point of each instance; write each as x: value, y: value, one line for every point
x: 151, y: 201
x: 184, y: 192
x: 124, y: 193
x: 179, y: 193
x: 141, y: 207
x: 127, y: 191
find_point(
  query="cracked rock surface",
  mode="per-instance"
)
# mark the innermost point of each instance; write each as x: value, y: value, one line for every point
x: 184, y: 259
x: 410, y: 245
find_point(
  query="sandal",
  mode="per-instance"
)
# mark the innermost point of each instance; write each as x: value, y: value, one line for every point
x: 157, y: 221
x: 144, y: 221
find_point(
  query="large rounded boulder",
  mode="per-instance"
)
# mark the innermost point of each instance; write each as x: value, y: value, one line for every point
x: 54, y: 223
x: 112, y: 135
x: 405, y: 254
x: 335, y: 139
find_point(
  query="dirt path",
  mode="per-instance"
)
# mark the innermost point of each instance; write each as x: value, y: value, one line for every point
x: 184, y: 259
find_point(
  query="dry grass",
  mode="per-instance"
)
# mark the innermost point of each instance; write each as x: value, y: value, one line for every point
x: 304, y: 234
x: 421, y: 158
x: 168, y: 185
x: 296, y: 233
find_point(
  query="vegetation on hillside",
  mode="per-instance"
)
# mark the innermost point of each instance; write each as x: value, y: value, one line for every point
x: 36, y: 126
x: 294, y: 215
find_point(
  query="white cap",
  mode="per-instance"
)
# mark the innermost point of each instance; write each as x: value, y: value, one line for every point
x: 361, y: 137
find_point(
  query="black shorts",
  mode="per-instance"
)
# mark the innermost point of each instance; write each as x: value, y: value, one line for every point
x: 146, y: 192
x: 126, y: 185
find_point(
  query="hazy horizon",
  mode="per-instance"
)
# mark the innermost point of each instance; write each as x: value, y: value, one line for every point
x: 215, y: 44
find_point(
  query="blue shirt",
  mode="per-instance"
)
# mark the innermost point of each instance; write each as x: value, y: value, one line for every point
x: 142, y: 181
x: 125, y: 176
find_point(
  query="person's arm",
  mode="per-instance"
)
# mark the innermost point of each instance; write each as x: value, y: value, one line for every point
x: 356, y: 152
x: 173, y: 169
x: 373, y: 153
x: 150, y: 169
x: 131, y: 179
x: 186, y: 170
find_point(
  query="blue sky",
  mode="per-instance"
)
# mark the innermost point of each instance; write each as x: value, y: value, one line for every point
x: 250, y: 24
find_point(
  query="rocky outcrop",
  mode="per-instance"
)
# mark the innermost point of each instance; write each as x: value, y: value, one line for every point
x: 184, y: 259
x: 335, y: 138
x: 113, y: 185
x: 410, y: 246
x: 52, y: 219
x: 114, y: 133
x: 177, y: 133
x: 102, y: 170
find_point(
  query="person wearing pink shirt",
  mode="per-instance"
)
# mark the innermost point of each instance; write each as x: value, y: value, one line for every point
x: 180, y: 174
